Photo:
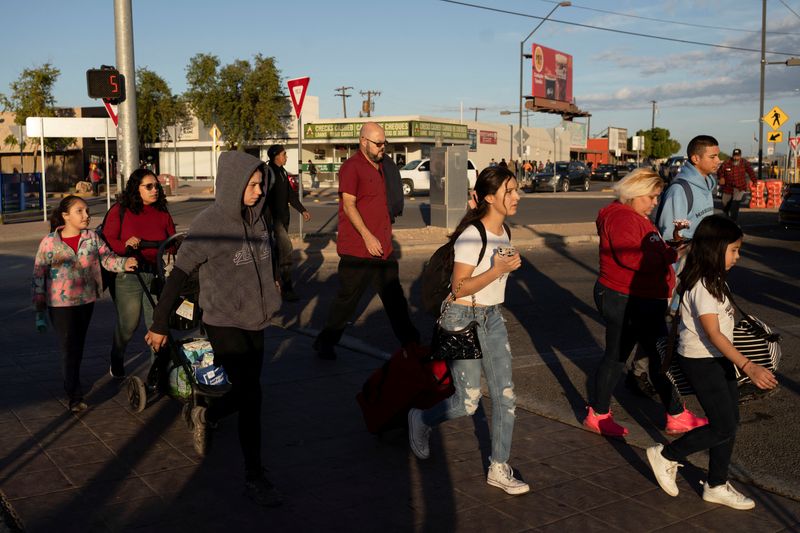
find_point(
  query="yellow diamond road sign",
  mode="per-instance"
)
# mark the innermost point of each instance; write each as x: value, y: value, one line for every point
x: 775, y: 118
x: 775, y: 137
x: 214, y: 132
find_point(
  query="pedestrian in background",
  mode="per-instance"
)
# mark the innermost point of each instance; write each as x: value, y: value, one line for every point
x: 281, y: 196
x: 66, y: 283
x: 478, y: 294
x: 312, y: 169
x: 732, y: 177
x: 707, y: 356
x: 139, y: 217
x: 231, y: 245
x: 632, y: 291
x: 364, y: 245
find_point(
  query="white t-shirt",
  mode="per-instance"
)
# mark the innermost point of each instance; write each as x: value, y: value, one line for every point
x: 693, y: 341
x: 467, y: 248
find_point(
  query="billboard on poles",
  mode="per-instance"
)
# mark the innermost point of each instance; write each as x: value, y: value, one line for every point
x: 552, y: 74
x: 617, y: 140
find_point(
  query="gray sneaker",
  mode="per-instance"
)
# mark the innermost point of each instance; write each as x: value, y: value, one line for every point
x: 419, y: 434
x: 200, y: 434
x: 664, y: 469
x: 501, y: 475
x: 727, y: 495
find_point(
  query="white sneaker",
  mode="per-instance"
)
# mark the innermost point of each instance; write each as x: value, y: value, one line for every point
x: 727, y: 495
x: 502, y: 476
x: 419, y: 434
x: 664, y: 469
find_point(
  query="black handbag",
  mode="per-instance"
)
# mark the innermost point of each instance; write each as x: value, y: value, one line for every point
x: 455, y: 345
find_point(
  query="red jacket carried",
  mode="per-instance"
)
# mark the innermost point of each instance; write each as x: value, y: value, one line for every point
x: 634, y: 259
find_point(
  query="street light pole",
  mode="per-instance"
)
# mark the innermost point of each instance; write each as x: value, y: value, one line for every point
x: 522, y: 58
x: 761, y: 98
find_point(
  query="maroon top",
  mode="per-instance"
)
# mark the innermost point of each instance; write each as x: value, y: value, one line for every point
x: 72, y: 242
x: 149, y: 225
x: 358, y: 177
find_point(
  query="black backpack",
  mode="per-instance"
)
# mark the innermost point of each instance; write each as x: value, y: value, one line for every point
x: 687, y: 189
x: 438, y: 270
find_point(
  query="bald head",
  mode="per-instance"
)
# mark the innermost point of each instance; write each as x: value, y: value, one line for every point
x: 372, y: 141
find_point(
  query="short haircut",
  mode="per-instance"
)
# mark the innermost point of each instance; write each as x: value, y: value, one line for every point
x: 698, y: 145
x: 640, y: 182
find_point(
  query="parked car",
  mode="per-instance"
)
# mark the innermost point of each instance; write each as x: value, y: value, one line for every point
x: 565, y: 175
x: 671, y: 167
x: 789, y: 211
x: 416, y: 176
x: 605, y: 172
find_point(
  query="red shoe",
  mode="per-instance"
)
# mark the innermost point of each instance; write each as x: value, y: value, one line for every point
x: 684, y: 422
x: 603, y: 424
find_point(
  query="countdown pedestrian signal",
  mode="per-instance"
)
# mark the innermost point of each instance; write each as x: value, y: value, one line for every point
x: 106, y: 83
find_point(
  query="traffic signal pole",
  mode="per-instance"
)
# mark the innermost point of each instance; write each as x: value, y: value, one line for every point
x: 127, y: 139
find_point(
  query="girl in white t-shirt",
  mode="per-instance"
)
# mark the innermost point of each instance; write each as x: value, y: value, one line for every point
x: 479, y: 289
x: 707, y: 356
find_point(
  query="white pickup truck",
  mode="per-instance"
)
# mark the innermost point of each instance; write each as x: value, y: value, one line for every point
x: 416, y: 176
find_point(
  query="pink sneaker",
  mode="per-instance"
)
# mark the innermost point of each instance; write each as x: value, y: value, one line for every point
x: 603, y: 424
x: 684, y: 422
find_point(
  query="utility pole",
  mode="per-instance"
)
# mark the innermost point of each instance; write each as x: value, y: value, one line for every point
x: 367, y: 108
x: 342, y: 91
x: 127, y: 139
x: 476, y: 111
x: 761, y: 99
x: 653, y: 119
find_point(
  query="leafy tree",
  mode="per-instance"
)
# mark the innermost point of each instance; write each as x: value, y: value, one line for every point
x: 657, y: 143
x: 244, y: 99
x: 156, y: 106
x: 32, y: 96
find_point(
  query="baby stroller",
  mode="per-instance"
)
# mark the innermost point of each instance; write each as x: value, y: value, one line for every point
x: 183, y: 369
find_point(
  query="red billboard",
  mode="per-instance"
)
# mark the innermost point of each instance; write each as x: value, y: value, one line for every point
x: 552, y: 74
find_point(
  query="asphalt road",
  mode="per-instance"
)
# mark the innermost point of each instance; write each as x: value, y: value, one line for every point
x: 555, y: 333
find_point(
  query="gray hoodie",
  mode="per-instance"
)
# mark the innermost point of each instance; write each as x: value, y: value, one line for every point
x: 237, y: 286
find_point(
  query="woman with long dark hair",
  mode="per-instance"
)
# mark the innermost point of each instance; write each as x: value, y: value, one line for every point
x: 66, y: 282
x: 707, y: 356
x: 478, y: 292
x: 140, y: 214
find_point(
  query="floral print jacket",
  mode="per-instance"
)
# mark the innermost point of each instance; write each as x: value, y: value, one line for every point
x: 62, y: 278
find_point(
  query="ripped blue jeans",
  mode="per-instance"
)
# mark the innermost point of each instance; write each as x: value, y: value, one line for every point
x: 496, y: 365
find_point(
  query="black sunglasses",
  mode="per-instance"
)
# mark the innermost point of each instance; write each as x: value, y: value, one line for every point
x: 149, y: 186
x: 379, y: 145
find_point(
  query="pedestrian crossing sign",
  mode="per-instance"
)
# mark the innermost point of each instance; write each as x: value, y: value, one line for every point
x: 775, y: 118
x: 775, y: 137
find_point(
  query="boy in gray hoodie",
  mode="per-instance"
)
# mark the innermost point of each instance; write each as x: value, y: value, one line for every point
x: 231, y: 243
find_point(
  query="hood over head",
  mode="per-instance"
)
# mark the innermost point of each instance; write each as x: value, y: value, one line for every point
x: 233, y: 173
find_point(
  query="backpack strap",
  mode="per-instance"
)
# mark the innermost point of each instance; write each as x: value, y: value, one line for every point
x: 687, y: 190
x: 482, y: 231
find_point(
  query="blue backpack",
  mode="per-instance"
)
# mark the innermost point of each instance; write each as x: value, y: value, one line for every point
x: 687, y: 190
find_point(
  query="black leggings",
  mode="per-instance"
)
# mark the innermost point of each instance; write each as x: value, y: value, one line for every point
x: 714, y: 381
x: 71, y: 325
x: 241, y: 353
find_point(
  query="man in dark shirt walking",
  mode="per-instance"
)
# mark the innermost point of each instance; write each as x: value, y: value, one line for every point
x: 364, y: 245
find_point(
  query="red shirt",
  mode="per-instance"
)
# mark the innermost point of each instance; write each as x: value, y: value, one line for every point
x: 634, y: 259
x: 72, y: 242
x: 148, y: 225
x: 732, y: 176
x: 359, y: 178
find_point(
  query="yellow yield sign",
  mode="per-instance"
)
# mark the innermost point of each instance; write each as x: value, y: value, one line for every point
x: 775, y: 137
x: 775, y: 118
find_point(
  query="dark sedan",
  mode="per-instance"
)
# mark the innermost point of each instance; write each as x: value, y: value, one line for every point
x: 605, y: 173
x: 789, y: 212
x: 565, y: 175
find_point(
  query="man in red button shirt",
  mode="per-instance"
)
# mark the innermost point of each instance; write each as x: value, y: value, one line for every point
x: 364, y: 245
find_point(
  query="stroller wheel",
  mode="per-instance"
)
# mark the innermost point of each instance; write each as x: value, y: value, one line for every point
x: 137, y: 394
x: 186, y: 413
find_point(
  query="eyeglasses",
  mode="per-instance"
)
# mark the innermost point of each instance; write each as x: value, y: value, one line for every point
x: 378, y: 144
x: 149, y: 186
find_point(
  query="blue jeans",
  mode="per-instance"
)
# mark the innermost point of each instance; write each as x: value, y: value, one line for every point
x: 496, y: 365
x: 130, y: 301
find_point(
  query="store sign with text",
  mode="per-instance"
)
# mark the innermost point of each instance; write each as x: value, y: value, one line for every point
x: 552, y: 74
x: 488, y: 137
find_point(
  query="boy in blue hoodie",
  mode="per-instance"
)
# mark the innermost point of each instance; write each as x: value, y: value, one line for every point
x: 703, y: 153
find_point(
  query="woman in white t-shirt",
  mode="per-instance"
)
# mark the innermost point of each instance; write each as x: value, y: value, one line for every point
x: 479, y: 289
x: 707, y: 356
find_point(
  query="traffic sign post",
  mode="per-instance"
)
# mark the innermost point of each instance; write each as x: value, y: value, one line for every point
x: 297, y: 93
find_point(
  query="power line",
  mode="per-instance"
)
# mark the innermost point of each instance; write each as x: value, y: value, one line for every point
x: 342, y: 91
x: 476, y: 111
x: 790, y: 9
x: 624, y: 32
x: 665, y: 21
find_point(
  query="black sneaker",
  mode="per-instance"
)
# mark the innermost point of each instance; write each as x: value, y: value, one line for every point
x: 324, y: 352
x: 640, y: 385
x: 201, y: 436
x: 117, y: 370
x: 262, y: 492
x: 77, y: 406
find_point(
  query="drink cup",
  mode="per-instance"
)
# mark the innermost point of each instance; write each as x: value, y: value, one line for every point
x: 506, y: 251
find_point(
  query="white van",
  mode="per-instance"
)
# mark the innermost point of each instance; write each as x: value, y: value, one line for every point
x: 416, y: 176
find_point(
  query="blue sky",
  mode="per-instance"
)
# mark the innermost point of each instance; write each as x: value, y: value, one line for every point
x: 428, y: 57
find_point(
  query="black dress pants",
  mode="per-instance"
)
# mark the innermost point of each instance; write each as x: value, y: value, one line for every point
x: 71, y: 325
x: 355, y: 275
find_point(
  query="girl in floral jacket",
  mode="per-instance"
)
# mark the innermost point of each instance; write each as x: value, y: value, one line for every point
x: 66, y: 281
